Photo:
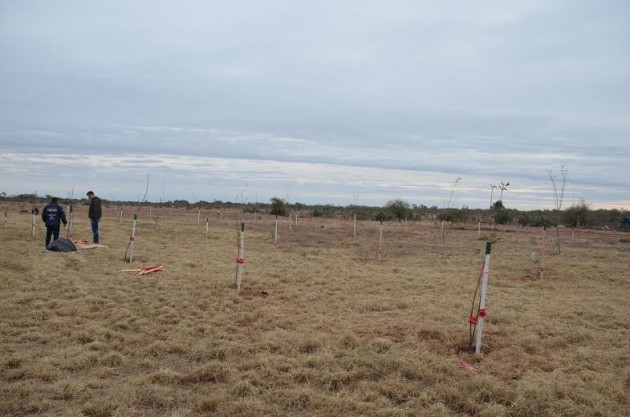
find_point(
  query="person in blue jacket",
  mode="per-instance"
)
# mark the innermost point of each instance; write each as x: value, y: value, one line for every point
x: 53, y: 216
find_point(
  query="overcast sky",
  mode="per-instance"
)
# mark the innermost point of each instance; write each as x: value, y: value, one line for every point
x: 335, y: 102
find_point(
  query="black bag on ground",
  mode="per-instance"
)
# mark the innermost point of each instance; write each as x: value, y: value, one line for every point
x: 62, y: 245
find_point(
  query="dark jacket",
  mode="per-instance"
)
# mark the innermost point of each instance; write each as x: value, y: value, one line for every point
x: 52, y: 215
x: 95, y: 211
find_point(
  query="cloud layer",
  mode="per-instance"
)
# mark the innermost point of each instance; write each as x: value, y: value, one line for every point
x: 317, y: 100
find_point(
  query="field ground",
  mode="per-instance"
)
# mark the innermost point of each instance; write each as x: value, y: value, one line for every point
x: 321, y: 327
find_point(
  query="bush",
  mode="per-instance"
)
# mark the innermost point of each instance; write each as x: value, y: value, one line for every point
x: 399, y: 209
x: 279, y: 207
x: 577, y: 215
x: 455, y: 215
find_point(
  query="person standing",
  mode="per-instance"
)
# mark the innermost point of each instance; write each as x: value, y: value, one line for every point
x: 94, y: 213
x: 53, y: 215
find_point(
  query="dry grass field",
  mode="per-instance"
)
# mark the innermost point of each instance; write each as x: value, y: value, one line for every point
x: 320, y: 329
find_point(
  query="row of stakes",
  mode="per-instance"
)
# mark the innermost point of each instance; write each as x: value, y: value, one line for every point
x: 476, y: 321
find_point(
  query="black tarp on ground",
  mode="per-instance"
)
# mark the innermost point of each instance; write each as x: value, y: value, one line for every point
x: 62, y: 245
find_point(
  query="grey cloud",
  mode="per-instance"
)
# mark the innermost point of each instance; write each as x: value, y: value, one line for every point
x: 480, y: 89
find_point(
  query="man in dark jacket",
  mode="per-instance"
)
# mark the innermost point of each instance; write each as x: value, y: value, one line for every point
x: 94, y: 213
x: 53, y: 215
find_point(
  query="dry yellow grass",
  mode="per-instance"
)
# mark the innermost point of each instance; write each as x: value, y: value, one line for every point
x: 320, y: 329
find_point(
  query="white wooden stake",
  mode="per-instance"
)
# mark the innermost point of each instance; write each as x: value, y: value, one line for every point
x: 199, y: 216
x: 207, y: 226
x: 479, y: 228
x: 354, y: 226
x: 70, y: 222
x: 290, y: 222
x: 120, y: 216
x: 240, y: 260
x: 132, y: 238
x: 482, y: 302
x: 275, y: 233
x: 380, y: 243
x: 442, y: 231
x: 541, y: 269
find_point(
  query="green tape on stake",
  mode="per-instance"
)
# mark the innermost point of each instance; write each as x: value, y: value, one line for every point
x: 488, y: 247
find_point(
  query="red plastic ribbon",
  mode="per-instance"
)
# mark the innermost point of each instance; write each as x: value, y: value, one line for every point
x: 240, y: 260
x: 482, y: 312
x: 149, y: 269
x: 466, y: 365
x: 472, y: 320
x: 132, y: 238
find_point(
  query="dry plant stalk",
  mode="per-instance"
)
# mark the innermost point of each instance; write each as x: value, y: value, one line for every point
x: 558, y: 185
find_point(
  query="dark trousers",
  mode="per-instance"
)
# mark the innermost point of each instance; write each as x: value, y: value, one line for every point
x: 95, y: 229
x: 51, y: 231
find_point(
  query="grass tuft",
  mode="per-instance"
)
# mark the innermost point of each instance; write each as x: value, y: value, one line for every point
x: 211, y: 373
x: 98, y: 410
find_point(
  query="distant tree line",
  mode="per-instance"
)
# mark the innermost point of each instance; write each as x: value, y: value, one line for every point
x: 579, y: 215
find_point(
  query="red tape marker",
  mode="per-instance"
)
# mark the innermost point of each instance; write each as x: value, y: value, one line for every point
x: 240, y: 260
x: 132, y: 238
x: 149, y: 269
x: 482, y: 312
x: 466, y: 365
x: 472, y: 320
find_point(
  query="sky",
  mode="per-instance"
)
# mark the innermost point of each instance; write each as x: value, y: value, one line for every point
x: 321, y: 102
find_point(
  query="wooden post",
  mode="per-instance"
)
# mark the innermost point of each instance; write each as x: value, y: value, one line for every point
x: 482, y: 301
x: 275, y: 233
x: 290, y: 222
x: 207, y: 226
x: 33, y: 226
x: 442, y: 231
x: 70, y: 231
x: 379, y: 251
x: 6, y: 220
x: 199, y: 216
x: 120, y: 216
x: 240, y: 260
x: 70, y: 234
x: 541, y: 268
x: 132, y: 238
x: 558, y: 239
x: 354, y: 226
x: 479, y: 228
